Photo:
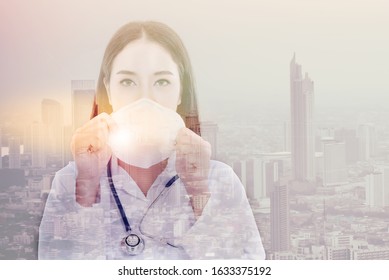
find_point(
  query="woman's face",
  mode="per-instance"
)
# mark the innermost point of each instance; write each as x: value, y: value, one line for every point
x: 144, y: 69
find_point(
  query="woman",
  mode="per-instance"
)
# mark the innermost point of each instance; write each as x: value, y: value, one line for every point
x: 143, y: 200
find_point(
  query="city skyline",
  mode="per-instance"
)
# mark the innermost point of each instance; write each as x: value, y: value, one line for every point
x: 345, y: 49
x: 265, y: 179
x: 275, y: 126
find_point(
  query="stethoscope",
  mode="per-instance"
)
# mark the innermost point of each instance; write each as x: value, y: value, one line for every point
x: 133, y: 244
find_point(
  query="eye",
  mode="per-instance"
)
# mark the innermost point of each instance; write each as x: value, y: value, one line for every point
x: 127, y: 83
x: 162, y: 83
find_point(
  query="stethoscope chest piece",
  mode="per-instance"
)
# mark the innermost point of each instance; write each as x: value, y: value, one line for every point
x: 132, y: 244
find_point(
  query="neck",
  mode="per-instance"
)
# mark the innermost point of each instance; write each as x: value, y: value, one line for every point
x: 144, y: 177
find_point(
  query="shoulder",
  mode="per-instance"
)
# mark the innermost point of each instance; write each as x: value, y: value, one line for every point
x: 222, y: 176
x: 68, y: 170
x: 220, y: 170
x: 220, y: 167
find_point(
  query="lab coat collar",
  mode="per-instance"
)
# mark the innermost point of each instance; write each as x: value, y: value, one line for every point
x: 123, y: 181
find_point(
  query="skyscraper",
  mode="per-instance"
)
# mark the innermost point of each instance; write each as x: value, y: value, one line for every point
x: 37, y: 142
x: 239, y: 167
x: 271, y: 176
x: 377, y: 188
x: 14, y: 152
x: 367, y: 141
x: 374, y: 188
x: 255, y: 187
x: 279, y: 218
x: 349, y: 137
x: 68, y: 133
x: 302, y: 134
x: 83, y: 93
x: 192, y: 122
x: 334, y: 165
x: 52, y: 119
x: 190, y: 113
x: 209, y: 133
x: 287, y: 140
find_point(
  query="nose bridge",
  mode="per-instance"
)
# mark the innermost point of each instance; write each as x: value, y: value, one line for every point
x: 146, y: 90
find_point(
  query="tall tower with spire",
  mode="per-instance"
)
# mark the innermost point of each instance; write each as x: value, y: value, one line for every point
x: 302, y: 133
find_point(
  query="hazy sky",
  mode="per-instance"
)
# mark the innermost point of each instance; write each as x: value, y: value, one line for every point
x: 240, y: 50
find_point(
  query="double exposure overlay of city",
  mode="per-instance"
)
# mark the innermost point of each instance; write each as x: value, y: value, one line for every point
x: 317, y: 178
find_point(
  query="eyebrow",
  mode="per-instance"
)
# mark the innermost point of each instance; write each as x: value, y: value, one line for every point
x: 158, y: 73
x: 126, y: 72
x: 163, y: 73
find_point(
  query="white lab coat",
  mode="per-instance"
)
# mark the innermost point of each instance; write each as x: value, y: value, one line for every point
x: 225, y: 230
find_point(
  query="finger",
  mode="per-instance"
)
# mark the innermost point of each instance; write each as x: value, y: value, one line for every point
x: 190, y: 158
x: 188, y: 140
x: 104, y: 125
x: 99, y: 126
x: 111, y: 124
x: 198, y: 149
x: 184, y: 149
x: 180, y: 160
x: 182, y: 131
x: 88, y: 144
x: 186, y: 135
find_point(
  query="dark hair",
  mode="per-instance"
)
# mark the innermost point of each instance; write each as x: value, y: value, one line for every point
x: 168, y: 39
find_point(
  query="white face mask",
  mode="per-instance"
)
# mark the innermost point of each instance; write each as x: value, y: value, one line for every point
x: 146, y: 133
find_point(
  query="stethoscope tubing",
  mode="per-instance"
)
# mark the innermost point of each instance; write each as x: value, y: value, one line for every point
x: 123, y: 213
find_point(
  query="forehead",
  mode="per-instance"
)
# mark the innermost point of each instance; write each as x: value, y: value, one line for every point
x: 144, y: 55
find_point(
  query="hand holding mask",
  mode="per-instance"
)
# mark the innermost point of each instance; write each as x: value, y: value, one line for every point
x: 193, y: 165
x: 141, y: 134
x: 146, y: 133
x: 91, y: 155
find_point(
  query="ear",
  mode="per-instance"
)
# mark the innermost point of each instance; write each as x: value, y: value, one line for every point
x: 106, y: 84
